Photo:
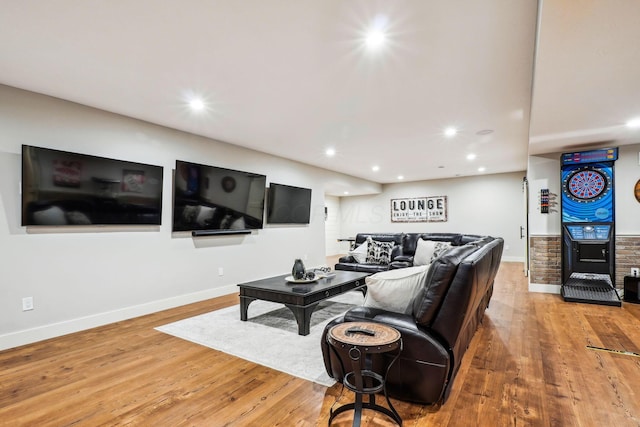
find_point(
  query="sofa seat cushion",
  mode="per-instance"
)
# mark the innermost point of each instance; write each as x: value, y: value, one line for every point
x: 364, y: 268
x: 394, y: 290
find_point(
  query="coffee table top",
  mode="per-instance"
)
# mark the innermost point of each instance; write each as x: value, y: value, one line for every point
x: 279, y: 284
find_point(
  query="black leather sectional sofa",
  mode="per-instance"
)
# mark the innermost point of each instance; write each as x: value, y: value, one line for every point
x: 444, y: 316
x: 403, y: 251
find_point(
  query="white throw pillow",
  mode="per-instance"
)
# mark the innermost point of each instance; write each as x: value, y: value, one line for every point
x: 393, y: 290
x: 428, y: 250
x: 360, y: 253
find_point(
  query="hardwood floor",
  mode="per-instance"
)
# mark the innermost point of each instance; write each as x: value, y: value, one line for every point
x: 528, y: 364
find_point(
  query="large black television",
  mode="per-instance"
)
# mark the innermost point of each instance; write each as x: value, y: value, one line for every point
x: 288, y: 204
x: 63, y: 188
x: 211, y: 199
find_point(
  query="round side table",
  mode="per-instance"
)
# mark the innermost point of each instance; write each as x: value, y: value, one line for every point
x: 356, y: 343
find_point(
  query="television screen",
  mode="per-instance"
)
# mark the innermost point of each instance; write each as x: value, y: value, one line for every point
x: 62, y: 188
x: 288, y: 205
x: 213, y: 198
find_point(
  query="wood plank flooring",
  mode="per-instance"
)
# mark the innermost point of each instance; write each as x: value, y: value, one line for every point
x: 528, y: 365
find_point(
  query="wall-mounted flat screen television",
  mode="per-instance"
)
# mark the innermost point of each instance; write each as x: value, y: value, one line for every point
x: 214, y: 199
x: 288, y: 204
x: 63, y: 188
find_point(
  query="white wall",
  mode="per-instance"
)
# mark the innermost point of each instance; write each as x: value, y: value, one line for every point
x: 484, y: 204
x: 84, y: 277
x: 333, y: 227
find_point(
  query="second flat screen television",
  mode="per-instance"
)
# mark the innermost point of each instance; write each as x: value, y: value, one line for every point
x: 217, y: 199
x: 288, y: 204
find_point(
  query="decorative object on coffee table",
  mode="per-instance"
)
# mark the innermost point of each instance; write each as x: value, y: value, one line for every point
x: 298, y: 269
x: 357, y: 344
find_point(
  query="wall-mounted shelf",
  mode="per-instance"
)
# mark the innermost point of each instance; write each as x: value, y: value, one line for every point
x: 198, y: 233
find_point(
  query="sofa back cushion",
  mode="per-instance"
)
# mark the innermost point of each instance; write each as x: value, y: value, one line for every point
x: 427, y: 302
x: 464, y: 304
x: 410, y: 240
x: 396, y: 238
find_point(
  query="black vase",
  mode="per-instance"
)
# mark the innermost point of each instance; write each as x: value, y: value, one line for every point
x: 298, y: 269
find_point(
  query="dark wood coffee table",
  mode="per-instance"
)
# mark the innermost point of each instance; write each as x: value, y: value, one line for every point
x: 301, y: 298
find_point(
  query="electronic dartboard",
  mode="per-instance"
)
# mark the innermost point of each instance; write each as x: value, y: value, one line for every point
x: 587, y: 193
x: 588, y: 226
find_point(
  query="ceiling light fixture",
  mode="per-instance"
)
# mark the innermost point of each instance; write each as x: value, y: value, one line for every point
x: 471, y: 156
x: 196, y: 104
x: 375, y: 168
x: 482, y: 169
x: 375, y: 39
x: 450, y: 131
x: 633, y: 123
x: 330, y: 152
x: 400, y: 177
x: 376, y: 36
x: 346, y: 193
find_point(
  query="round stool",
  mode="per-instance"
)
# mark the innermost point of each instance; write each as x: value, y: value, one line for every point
x: 357, y: 342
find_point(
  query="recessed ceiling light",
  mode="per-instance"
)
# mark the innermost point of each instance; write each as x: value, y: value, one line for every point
x: 633, y: 123
x: 484, y: 132
x: 400, y: 177
x: 482, y: 169
x: 376, y: 36
x: 196, y: 104
x: 330, y: 152
x: 450, y: 131
x: 375, y: 39
x: 471, y: 156
x: 346, y: 192
x: 375, y: 168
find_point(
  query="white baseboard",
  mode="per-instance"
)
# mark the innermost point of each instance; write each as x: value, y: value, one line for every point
x: 512, y: 259
x: 28, y: 336
x: 542, y: 288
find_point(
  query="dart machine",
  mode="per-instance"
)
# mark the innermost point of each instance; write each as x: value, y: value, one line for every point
x: 588, y: 227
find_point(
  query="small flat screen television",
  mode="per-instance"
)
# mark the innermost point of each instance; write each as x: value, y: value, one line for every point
x: 288, y: 204
x: 212, y: 198
x: 63, y: 188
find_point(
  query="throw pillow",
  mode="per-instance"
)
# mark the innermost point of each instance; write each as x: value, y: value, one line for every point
x: 359, y: 253
x: 428, y: 250
x: 394, y: 290
x: 438, y: 249
x: 378, y: 252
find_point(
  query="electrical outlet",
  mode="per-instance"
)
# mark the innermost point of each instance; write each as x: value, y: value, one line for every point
x: 220, y: 271
x: 635, y: 272
x: 27, y: 303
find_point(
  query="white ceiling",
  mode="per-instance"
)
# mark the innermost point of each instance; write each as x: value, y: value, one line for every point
x: 292, y: 78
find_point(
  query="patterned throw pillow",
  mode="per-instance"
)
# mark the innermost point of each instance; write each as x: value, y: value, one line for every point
x: 439, y: 248
x: 378, y: 252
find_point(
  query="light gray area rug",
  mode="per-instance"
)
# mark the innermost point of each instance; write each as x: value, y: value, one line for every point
x: 269, y: 337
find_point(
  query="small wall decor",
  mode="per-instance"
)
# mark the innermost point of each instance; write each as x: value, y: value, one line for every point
x: 636, y: 191
x: 419, y: 209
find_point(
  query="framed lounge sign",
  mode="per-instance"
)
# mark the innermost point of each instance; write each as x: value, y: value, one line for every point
x: 419, y: 209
